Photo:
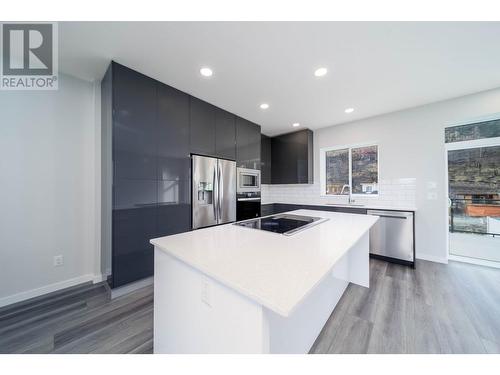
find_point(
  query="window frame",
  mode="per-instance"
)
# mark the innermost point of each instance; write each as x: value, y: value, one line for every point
x: 322, y: 162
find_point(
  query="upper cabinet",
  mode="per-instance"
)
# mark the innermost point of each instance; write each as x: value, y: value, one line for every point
x: 213, y: 130
x: 265, y: 159
x: 202, y: 127
x: 292, y: 158
x: 134, y: 118
x: 225, y: 131
x: 247, y: 144
x: 173, y: 134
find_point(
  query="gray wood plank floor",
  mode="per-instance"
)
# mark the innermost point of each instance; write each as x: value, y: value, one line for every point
x: 80, y: 320
x: 435, y: 308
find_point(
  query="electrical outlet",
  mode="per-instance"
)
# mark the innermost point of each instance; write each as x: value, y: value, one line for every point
x: 58, y: 261
x: 205, y: 292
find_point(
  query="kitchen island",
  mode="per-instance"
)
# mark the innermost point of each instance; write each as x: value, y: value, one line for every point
x: 231, y: 289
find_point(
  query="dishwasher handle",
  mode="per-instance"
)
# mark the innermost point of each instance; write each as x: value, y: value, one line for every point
x: 390, y: 214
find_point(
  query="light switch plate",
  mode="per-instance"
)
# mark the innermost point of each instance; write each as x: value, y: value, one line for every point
x: 431, y: 185
x: 431, y: 196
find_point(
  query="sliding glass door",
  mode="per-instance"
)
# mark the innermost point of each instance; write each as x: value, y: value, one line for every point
x: 474, y: 199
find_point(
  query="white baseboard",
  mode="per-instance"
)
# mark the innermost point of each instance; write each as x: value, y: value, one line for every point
x: 99, y: 278
x: 18, y: 297
x: 126, y: 289
x: 479, y: 262
x: 432, y: 258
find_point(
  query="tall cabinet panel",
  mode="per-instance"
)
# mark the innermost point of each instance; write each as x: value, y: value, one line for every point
x: 225, y: 130
x: 247, y: 144
x: 174, y: 163
x: 134, y: 123
x: 135, y: 175
x: 202, y: 127
x: 265, y: 159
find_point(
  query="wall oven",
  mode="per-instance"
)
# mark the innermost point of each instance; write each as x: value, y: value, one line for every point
x: 248, y: 180
x: 247, y: 193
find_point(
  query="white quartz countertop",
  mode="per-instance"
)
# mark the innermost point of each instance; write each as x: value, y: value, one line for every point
x: 371, y: 206
x: 271, y: 269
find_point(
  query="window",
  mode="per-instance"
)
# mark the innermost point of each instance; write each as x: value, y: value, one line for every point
x: 364, y: 167
x: 337, y: 172
x: 350, y: 169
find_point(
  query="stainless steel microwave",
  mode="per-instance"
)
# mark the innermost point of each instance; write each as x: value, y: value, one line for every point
x: 248, y: 180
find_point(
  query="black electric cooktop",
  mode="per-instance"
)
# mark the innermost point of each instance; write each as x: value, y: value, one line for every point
x: 286, y: 224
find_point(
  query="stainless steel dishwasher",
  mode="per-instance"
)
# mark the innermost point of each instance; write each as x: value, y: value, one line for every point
x: 392, y: 237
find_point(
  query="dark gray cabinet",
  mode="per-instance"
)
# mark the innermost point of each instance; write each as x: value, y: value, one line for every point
x: 213, y: 130
x: 174, y: 162
x: 134, y: 163
x: 203, y: 127
x: 172, y: 134
x: 147, y: 160
x: 292, y: 158
x: 247, y: 144
x: 134, y: 124
x: 267, y: 209
x: 276, y: 208
x: 265, y: 159
x: 225, y: 134
x: 149, y: 131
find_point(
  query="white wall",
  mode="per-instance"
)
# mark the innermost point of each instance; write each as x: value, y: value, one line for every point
x: 49, y: 172
x: 411, y: 146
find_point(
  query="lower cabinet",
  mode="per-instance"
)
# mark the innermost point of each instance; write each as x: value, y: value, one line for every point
x: 132, y: 253
x: 277, y: 208
x: 266, y: 209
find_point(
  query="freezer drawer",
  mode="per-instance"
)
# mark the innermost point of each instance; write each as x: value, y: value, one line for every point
x: 392, y: 235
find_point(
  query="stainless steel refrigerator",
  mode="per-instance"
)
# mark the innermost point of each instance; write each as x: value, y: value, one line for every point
x: 214, y: 191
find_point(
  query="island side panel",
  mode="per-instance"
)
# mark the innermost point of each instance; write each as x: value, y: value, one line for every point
x: 298, y: 332
x: 195, y: 314
x: 359, y: 262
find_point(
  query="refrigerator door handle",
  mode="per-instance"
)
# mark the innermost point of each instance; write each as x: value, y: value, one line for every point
x: 220, y: 190
x: 215, y: 199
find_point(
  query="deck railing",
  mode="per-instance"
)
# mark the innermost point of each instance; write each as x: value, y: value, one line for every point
x: 475, y: 216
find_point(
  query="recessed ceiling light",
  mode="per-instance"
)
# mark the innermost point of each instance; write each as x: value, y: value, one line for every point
x: 264, y: 106
x: 206, y: 72
x: 320, y: 72
x: 349, y: 110
x: 295, y: 124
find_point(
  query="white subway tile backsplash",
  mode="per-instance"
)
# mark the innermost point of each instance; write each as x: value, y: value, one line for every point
x: 400, y: 192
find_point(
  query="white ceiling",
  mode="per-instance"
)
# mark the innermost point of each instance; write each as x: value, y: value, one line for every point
x: 375, y: 67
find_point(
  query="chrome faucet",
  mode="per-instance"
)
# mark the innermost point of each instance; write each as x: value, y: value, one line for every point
x: 350, y: 199
x: 343, y: 188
